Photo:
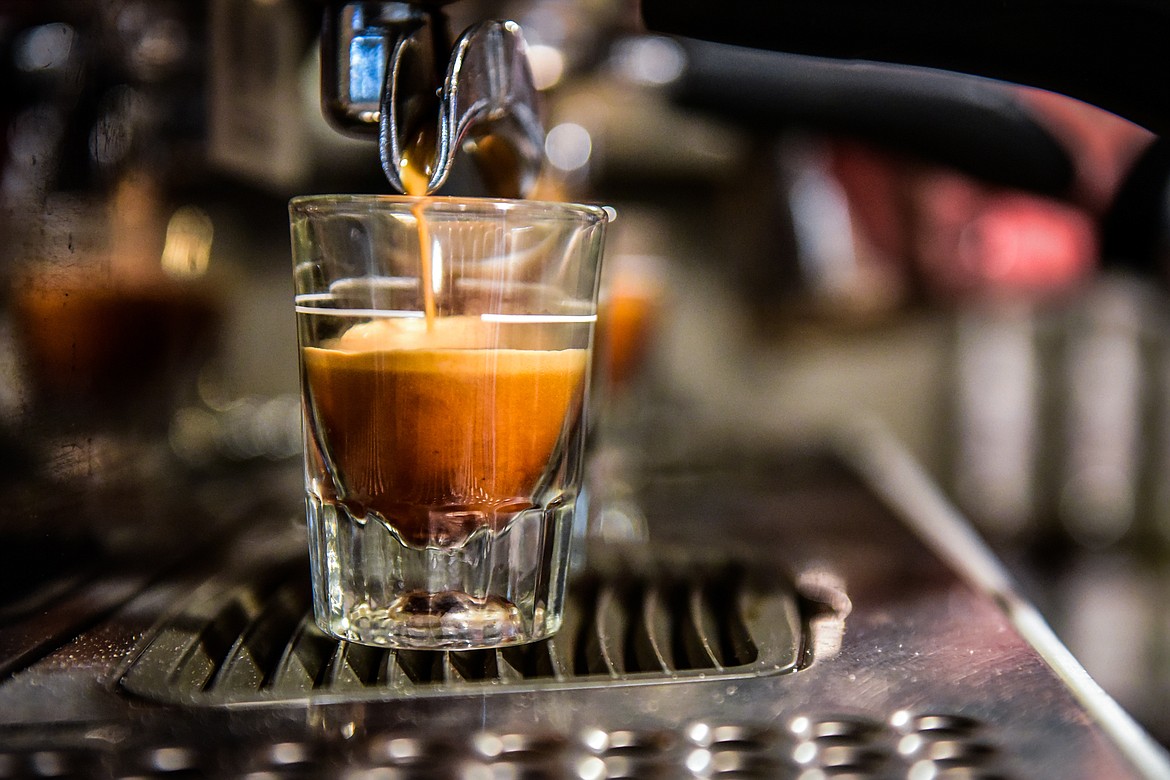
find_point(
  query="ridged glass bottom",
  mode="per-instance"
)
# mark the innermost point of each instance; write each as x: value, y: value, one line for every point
x: 494, y: 588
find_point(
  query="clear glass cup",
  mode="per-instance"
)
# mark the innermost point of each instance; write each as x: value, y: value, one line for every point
x: 445, y: 356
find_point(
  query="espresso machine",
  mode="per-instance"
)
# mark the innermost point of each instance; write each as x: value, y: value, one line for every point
x: 817, y: 609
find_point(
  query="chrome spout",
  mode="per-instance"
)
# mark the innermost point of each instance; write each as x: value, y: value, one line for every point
x: 388, y: 69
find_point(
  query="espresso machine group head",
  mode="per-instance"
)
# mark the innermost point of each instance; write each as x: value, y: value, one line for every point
x: 393, y: 70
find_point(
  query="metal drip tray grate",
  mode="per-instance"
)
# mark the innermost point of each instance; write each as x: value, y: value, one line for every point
x: 630, y: 619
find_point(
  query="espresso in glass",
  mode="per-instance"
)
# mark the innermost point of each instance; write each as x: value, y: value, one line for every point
x: 438, y: 431
x: 444, y: 421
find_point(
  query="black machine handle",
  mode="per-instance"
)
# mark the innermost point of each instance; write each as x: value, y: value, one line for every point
x: 973, y: 125
x: 1112, y: 53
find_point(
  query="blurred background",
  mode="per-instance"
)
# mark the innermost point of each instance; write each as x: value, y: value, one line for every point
x: 800, y: 244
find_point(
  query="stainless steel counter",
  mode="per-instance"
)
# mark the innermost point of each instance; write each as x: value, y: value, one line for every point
x: 800, y: 615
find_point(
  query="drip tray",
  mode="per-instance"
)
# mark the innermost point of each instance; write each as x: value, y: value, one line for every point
x: 631, y: 618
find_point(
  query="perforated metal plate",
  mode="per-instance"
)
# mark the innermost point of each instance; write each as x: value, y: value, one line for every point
x: 906, y: 745
x: 630, y: 619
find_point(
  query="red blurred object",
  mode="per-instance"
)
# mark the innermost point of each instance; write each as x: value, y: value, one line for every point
x: 959, y: 237
x: 972, y: 241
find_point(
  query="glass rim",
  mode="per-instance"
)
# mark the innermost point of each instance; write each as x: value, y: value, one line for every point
x: 319, y: 203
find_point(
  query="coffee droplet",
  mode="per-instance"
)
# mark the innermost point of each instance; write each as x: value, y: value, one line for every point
x: 416, y: 165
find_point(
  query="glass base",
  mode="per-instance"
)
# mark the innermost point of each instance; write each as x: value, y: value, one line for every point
x: 430, y: 619
x: 497, y: 587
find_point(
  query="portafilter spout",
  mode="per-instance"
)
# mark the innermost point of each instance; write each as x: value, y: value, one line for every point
x: 390, y: 70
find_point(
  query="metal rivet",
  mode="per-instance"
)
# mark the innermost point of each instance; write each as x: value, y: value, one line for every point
x: 812, y: 774
x: 521, y: 744
x: 49, y: 764
x: 958, y: 751
x: 622, y: 768
x: 805, y: 753
x: 397, y: 750
x: 901, y: 719
x: 595, y: 740
x: 590, y: 768
x: 831, y: 728
x: 800, y: 726
x: 377, y: 773
x: 839, y: 728
x: 922, y: 770
x: 699, y: 734
x: 951, y: 723
x: 288, y: 754
x: 847, y: 757
x: 734, y: 762
x: 910, y: 744
x: 476, y: 771
x: 172, y: 759
x: 740, y: 735
x: 487, y: 745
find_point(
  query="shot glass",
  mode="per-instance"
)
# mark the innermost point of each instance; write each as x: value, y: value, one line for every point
x: 445, y: 356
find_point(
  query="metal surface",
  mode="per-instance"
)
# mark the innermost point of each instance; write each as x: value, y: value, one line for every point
x: 919, y: 662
